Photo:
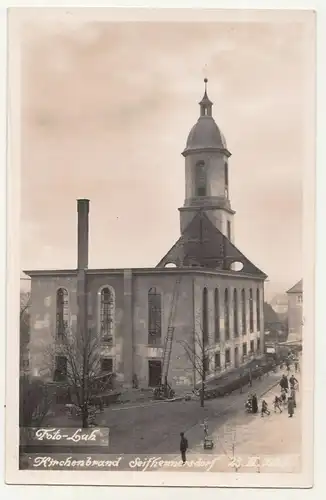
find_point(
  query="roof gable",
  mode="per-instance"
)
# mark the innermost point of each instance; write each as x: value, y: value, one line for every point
x: 203, y: 245
x: 297, y: 288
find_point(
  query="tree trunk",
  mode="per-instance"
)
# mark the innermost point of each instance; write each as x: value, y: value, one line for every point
x: 85, y: 416
x: 202, y: 392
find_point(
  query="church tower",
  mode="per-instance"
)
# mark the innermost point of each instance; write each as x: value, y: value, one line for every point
x: 207, y: 173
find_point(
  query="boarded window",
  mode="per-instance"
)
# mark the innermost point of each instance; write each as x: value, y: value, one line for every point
x: 217, y: 361
x: 107, y: 310
x: 62, y: 313
x: 107, y: 365
x: 154, y: 317
x: 61, y: 369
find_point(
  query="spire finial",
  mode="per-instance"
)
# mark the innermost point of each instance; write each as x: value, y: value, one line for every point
x: 205, y: 81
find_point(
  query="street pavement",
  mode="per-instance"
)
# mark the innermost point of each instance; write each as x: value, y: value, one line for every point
x: 152, y: 430
x: 155, y: 427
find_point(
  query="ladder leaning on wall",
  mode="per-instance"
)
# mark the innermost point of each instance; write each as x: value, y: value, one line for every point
x: 170, y: 333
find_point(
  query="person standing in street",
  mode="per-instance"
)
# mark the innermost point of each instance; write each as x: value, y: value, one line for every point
x: 293, y: 381
x: 254, y: 403
x: 264, y: 408
x: 290, y: 407
x: 277, y: 404
x: 183, y: 447
x: 284, y: 383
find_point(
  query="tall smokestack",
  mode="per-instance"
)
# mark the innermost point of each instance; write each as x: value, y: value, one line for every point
x: 82, y: 230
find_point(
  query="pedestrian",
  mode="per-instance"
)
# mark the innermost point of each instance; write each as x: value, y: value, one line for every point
x: 183, y: 447
x: 293, y: 381
x: 264, y: 408
x: 277, y: 404
x: 290, y: 407
x: 250, y: 378
x: 296, y: 366
x: 284, y: 383
x: 292, y: 395
x: 254, y: 403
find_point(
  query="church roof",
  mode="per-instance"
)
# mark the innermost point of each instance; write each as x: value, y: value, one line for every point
x: 297, y: 288
x: 202, y: 245
x: 205, y: 134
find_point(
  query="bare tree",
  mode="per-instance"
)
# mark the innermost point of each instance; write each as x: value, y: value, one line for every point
x: 199, y: 354
x: 78, y: 368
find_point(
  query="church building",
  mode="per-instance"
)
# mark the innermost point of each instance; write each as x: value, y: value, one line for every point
x: 204, y: 296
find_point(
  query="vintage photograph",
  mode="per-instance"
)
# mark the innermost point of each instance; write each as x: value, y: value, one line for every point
x: 162, y: 204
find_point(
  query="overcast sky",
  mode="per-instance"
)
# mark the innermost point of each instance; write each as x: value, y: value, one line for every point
x: 106, y: 110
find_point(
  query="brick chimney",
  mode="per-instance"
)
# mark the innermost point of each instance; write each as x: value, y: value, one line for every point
x: 82, y: 234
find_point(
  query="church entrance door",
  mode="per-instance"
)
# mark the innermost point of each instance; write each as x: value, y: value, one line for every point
x: 154, y: 372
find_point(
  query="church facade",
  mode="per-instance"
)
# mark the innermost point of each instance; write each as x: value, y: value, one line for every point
x: 204, y: 288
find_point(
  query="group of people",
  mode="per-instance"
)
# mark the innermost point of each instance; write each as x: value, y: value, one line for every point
x: 288, y: 395
x: 251, y: 405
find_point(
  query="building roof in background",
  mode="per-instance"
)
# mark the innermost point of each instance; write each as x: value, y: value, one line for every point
x: 297, y: 288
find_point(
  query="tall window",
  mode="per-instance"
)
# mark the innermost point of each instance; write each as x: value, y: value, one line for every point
x: 205, y: 316
x: 227, y: 356
x: 243, y: 312
x: 107, y: 307
x: 235, y: 313
x: 251, y: 311
x: 154, y: 317
x: 226, y: 179
x: 62, y: 313
x: 244, y: 349
x: 200, y: 179
x: 217, y: 315
x: 258, y: 309
x: 226, y: 314
x: 229, y: 229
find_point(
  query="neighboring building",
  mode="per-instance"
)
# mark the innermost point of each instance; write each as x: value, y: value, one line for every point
x: 219, y: 298
x: 295, y: 317
x: 280, y: 305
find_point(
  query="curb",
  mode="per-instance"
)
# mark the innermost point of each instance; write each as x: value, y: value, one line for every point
x: 269, y: 389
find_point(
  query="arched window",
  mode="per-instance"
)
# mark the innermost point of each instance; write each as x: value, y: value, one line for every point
x: 154, y: 317
x: 226, y: 314
x: 62, y: 313
x: 205, y: 316
x: 200, y: 179
x: 235, y: 313
x: 217, y: 315
x: 258, y: 309
x: 244, y: 312
x: 226, y: 179
x: 251, y: 311
x: 107, y: 311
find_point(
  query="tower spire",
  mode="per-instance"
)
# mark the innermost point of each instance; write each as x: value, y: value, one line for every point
x: 205, y: 104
